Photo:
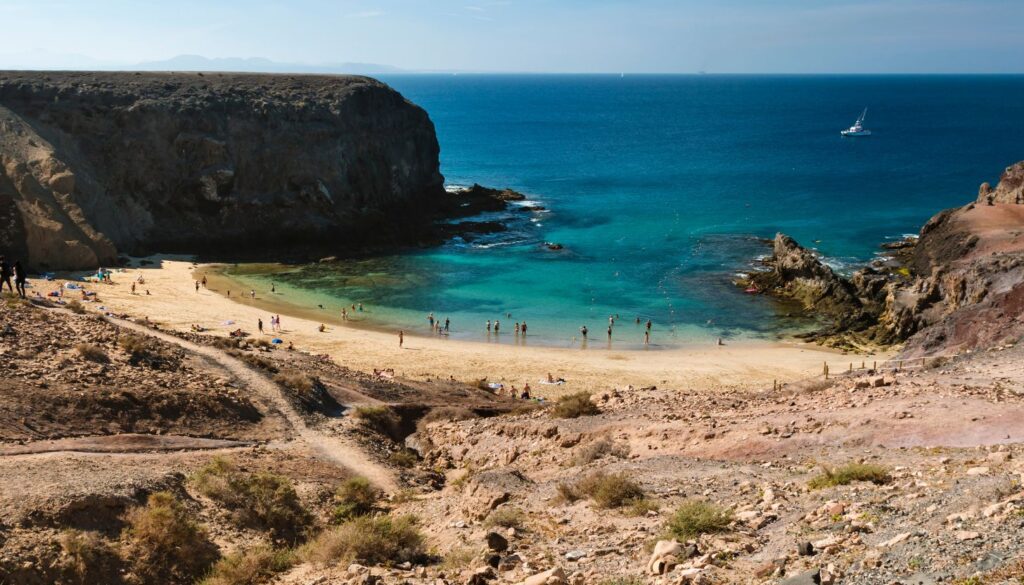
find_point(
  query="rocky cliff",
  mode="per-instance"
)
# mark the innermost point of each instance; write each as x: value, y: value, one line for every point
x: 93, y: 164
x: 959, y: 287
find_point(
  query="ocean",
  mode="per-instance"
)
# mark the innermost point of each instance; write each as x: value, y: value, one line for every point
x: 661, y: 189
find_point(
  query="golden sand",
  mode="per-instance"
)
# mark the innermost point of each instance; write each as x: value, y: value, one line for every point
x: 174, y: 303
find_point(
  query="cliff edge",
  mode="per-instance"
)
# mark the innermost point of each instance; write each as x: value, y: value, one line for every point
x: 93, y: 164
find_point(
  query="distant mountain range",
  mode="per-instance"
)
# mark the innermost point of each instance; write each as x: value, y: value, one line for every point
x: 44, y: 60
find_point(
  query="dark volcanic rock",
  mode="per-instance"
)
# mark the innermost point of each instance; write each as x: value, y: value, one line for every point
x: 96, y: 163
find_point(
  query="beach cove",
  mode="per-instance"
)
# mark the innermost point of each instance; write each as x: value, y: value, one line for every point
x: 174, y: 303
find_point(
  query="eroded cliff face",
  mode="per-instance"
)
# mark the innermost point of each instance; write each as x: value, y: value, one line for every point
x: 959, y: 287
x: 92, y: 164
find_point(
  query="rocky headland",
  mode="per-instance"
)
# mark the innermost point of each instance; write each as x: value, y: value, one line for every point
x: 93, y: 165
x: 959, y: 286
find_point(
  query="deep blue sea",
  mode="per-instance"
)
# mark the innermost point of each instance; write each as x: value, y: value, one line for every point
x: 660, y: 187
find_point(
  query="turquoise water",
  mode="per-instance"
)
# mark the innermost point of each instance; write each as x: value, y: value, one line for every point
x: 659, y: 188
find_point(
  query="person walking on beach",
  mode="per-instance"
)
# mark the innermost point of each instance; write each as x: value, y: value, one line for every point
x: 197, y: 286
x: 279, y: 323
x: 647, y: 337
x: 20, y: 278
x: 344, y: 314
x: 259, y: 325
x: 5, y: 274
x: 133, y: 287
x: 252, y: 294
x: 204, y: 281
x: 401, y: 338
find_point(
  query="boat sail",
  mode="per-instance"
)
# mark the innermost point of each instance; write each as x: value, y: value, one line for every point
x: 858, y: 128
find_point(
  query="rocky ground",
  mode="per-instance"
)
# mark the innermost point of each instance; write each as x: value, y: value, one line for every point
x: 924, y: 484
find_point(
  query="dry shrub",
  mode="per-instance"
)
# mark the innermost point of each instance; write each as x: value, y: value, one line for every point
x: 641, y: 506
x: 505, y: 517
x: 259, y: 500
x: 597, y: 449
x: 92, y: 352
x: 300, y: 382
x: 88, y: 557
x: 250, y: 567
x: 371, y: 540
x: 381, y: 419
x: 574, y: 406
x: 849, y: 473
x: 163, y: 545
x: 144, y: 351
x: 355, y: 497
x: 76, y: 307
x: 447, y: 413
x: 697, y: 517
x: 225, y: 343
x: 404, y: 458
x: 607, y: 490
x: 258, y: 362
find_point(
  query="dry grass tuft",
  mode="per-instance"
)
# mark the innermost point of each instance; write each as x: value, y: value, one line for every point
x: 597, y: 449
x: 849, y: 473
x: 381, y: 419
x: 92, y: 352
x: 250, y: 567
x: 87, y: 556
x: 574, y: 406
x: 505, y: 517
x: 607, y: 490
x: 258, y: 500
x: 697, y: 517
x: 76, y: 307
x: 163, y: 545
x: 355, y: 497
x: 371, y: 540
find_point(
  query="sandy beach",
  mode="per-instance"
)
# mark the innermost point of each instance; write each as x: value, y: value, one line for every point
x: 174, y: 303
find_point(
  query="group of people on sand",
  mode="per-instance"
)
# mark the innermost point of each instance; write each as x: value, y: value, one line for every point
x: 17, y: 271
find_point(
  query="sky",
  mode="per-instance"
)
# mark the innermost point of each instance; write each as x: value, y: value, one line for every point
x: 550, y: 36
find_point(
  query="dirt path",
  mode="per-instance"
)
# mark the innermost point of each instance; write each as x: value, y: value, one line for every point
x: 125, y: 443
x: 334, y: 449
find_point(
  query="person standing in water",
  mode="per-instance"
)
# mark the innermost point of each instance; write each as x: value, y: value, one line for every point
x: 516, y: 328
x: 647, y: 337
x: 401, y: 338
x: 583, y: 332
x: 447, y: 324
x: 430, y: 319
x: 522, y: 328
x: 497, y: 326
x: 488, y: 327
x: 648, y: 324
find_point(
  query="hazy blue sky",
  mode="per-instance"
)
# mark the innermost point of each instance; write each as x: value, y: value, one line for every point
x: 532, y: 35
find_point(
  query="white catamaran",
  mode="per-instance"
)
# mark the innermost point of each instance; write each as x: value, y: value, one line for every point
x: 858, y: 127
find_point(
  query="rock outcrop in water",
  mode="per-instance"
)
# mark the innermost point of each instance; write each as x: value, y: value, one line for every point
x: 959, y: 287
x: 93, y: 164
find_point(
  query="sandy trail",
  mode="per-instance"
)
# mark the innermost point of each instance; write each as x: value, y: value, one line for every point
x: 334, y: 449
x: 175, y: 304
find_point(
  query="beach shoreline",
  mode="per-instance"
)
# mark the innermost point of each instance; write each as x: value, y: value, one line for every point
x: 174, y: 303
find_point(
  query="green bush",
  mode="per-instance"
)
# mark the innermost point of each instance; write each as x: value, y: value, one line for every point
x: 849, y: 473
x: 163, y: 545
x: 697, y: 517
x: 250, y: 567
x: 258, y: 500
x: 371, y: 540
x: 574, y: 406
x: 355, y: 497
x: 403, y: 458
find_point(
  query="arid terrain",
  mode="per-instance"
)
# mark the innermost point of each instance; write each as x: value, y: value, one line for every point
x: 136, y: 455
